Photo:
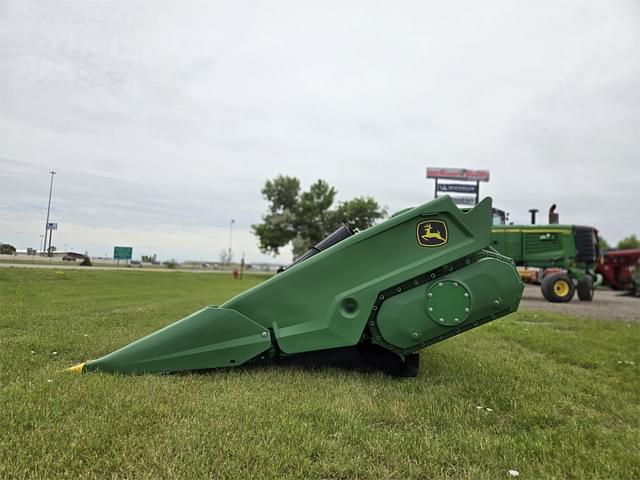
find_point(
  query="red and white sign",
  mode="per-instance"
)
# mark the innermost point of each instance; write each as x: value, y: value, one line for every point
x: 458, y: 174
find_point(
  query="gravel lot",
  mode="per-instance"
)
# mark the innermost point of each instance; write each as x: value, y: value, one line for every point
x: 606, y: 305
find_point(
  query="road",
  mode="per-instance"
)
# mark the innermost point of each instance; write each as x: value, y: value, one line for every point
x: 606, y: 305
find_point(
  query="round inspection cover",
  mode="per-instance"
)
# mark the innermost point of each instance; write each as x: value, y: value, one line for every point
x: 448, y: 303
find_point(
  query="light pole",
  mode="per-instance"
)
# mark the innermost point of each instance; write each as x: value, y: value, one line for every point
x: 230, y: 239
x: 46, y: 224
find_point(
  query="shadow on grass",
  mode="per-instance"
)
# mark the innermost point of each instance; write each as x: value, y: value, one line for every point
x: 367, y: 359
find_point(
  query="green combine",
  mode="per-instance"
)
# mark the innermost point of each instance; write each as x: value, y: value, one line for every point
x: 422, y: 276
x: 570, y: 251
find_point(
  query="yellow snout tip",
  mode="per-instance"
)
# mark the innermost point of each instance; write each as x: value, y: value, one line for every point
x: 76, y: 368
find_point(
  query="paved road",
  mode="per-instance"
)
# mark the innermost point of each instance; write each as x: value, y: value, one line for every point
x: 606, y: 305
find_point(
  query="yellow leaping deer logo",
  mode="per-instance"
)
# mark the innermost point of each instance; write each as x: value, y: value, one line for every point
x: 432, y: 233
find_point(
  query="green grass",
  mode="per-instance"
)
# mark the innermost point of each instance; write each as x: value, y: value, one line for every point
x: 563, y: 393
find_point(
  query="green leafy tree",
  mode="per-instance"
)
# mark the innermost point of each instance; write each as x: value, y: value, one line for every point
x: 305, y: 218
x: 629, y: 242
x: 603, y: 244
x: 278, y: 226
x: 360, y: 212
x: 7, y: 249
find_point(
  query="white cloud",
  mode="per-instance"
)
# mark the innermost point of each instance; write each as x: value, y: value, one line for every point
x: 169, y: 119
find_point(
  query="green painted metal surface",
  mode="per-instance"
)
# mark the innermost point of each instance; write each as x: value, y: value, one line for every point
x: 304, y: 302
x: 212, y: 337
x: 547, y: 246
x: 486, y: 288
x: 370, y: 288
x: 537, y: 245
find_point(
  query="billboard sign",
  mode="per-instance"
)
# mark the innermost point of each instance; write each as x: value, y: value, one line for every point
x: 52, y: 226
x: 464, y: 200
x: 457, y: 187
x: 458, y: 174
x: 122, y: 253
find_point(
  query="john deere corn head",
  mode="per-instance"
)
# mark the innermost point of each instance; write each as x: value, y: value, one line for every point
x: 426, y: 274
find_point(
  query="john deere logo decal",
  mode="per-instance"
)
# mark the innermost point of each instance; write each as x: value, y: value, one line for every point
x: 432, y: 233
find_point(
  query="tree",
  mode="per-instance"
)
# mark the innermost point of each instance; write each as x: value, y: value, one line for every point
x: 603, y: 244
x: 306, y: 218
x: 7, y: 249
x: 360, y: 213
x: 278, y: 227
x: 149, y: 258
x: 629, y: 242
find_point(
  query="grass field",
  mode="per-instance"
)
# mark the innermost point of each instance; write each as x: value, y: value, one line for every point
x: 546, y: 395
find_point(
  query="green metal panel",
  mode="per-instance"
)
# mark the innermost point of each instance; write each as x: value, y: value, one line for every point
x: 488, y: 288
x: 372, y: 287
x: 212, y: 337
x: 536, y: 245
x: 305, y: 303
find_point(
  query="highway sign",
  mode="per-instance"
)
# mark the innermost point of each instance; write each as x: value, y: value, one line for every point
x: 122, y: 253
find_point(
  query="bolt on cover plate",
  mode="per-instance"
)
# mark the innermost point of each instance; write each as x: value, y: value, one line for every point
x: 448, y: 303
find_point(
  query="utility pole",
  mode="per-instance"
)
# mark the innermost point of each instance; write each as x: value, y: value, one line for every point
x: 46, y: 224
x: 242, y: 267
x: 50, y: 239
x: 230, y: 239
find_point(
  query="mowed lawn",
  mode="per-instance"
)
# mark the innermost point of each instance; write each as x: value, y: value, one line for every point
x: 545, y: 395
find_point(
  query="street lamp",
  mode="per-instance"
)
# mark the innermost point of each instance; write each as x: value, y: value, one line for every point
x: 230, y: 239
x: 46, y: 224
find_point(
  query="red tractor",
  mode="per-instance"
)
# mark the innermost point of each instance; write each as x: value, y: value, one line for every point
x: 620, y: 269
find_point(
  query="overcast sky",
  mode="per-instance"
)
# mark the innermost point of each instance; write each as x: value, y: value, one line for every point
x: 164, y: 119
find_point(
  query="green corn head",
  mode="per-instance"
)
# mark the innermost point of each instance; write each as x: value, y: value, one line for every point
x: 422, y: 276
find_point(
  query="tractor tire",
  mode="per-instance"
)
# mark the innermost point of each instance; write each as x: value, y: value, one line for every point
x: 558, y: 288
x: 585, y: 289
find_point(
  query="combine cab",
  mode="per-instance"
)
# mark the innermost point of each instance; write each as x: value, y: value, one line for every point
x: 422, y: 276
x: 570, y: 249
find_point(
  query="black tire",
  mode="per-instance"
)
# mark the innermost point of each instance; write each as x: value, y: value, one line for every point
x: 558, y: 288
x: 585, y: 289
